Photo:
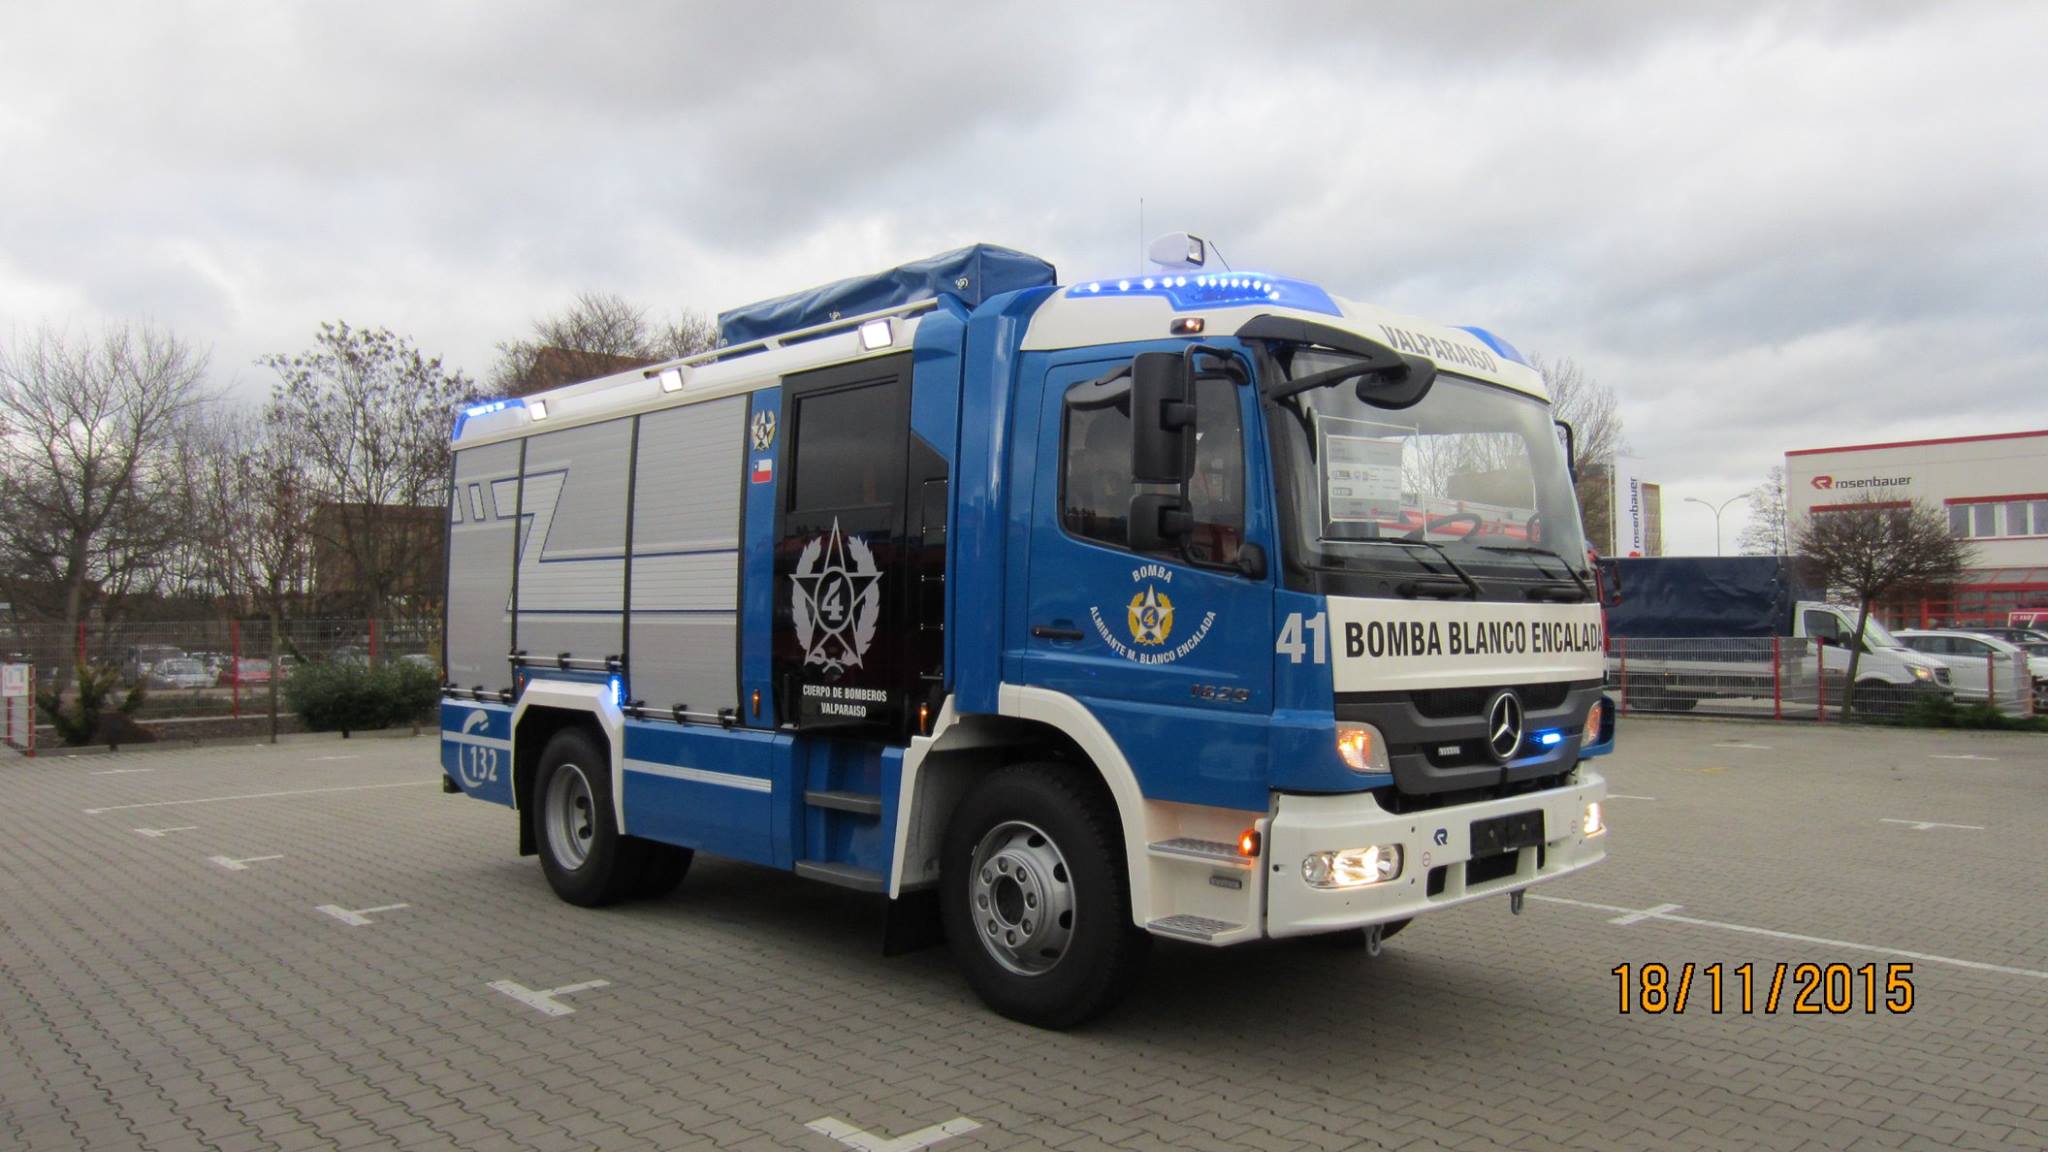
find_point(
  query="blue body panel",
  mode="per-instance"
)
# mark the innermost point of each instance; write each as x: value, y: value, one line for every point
x: 757, y: 568
x: 476, y: 748
x: 706, y: 787
x: 972, y: 275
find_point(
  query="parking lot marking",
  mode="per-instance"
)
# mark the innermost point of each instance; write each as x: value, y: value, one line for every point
x: 360, y: 916
x: 1742, y: 744
x: 544, y: 999
x: 242, y: 865
x: 321, y: 759
x: 1964, y: 756
x: 1925, y: 957
x: 865, y: 1141
x: 1924, y: 825
x: 260, y: 796
x: 1626, y: 796
x: 1705, y: 771
x: 1647, y: 913
x: 119, y: 771
x: 160, y: 833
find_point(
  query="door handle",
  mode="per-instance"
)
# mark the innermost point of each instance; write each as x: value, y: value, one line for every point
x: 1057, y: 635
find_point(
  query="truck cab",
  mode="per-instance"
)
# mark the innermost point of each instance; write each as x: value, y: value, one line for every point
x: 1885, y: 661
x: 1192, y: 605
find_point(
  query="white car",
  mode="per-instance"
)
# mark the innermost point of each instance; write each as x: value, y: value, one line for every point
x: 182, y: 672
x: 1973, y: 659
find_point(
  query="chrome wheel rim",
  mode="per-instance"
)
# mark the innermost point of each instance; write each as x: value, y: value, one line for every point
x: 571, y: 817
x: 1022, y: 897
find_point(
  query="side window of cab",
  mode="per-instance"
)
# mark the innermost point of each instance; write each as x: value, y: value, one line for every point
x: 1096, y: 488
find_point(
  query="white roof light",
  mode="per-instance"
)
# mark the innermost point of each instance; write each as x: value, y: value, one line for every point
x: 877, y: 334
x: 537, y: 409
x: 672, y: 380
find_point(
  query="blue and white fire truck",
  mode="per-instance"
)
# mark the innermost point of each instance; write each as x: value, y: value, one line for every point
x: 1197, y: 604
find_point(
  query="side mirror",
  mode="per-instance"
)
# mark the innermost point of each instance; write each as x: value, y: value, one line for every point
x: 1571, y: 448
x: 1162, y: 418
x: 1159, y: 521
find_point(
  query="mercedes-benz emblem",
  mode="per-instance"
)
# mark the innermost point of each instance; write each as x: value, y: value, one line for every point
x: 1504, y: 725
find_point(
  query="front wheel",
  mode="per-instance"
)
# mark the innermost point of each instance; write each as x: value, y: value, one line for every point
x: 1035, y: 897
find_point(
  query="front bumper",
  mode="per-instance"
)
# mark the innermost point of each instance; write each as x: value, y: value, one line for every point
x: 1437, y: 870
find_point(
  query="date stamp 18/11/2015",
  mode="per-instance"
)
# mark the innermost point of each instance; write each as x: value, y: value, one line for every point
x: 1803, y: 989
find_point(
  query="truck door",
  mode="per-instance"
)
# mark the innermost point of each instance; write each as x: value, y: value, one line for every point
x: 1169, y: 650
x: 847, y: 651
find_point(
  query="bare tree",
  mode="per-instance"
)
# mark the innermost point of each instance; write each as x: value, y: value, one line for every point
x: 1766, y: 533
x: 1594, y: 413
x: 88, y: 462
x: 1872, y: 550
x: 364, y: 418
x: 601, y: 333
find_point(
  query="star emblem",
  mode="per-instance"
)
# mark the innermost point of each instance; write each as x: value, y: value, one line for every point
x: 1151, y: 616
x: 837, y: 600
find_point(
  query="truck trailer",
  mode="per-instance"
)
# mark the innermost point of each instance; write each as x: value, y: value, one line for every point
x: 1200, y: 605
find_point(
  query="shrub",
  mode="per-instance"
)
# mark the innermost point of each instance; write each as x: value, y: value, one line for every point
x: 347, y: 697
x: 1944, y: 712
x: 87, y: 720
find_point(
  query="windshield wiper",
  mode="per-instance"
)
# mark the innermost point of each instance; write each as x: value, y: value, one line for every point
x: 1544, y: 591
x: 1435, y: 584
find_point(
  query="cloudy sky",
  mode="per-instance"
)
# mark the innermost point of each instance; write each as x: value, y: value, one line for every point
x: 1765, y: 226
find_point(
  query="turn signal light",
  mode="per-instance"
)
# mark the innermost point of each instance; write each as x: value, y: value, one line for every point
x: 1248, y: 843
x: 1594, y: 716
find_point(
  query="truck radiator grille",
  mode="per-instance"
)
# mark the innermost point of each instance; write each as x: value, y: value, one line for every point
x: 1455, y: 703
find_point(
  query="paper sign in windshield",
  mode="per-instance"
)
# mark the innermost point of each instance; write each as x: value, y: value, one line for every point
x: 1361, y: 479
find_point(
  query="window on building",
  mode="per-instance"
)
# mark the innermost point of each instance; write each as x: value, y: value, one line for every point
x: 1095, y: 476
x: 1959, y: 520
x: 1983, y: 520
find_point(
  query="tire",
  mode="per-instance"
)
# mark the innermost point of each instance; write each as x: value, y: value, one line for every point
x: 1035, y: 897
x: 585, y: 859
x: 662, y: 867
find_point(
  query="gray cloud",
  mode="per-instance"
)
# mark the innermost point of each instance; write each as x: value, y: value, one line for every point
x: 1768, y: 226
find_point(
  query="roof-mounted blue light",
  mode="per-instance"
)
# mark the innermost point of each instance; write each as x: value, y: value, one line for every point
x: 479, y: 410
x: 1501, y: 348
x: 1215, y: 290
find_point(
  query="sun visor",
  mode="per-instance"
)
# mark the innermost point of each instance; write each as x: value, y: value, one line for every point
x: 970, y: 274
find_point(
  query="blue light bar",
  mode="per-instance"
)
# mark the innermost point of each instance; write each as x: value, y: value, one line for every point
x: 618, y: 691
x: 1550, y: 738
x: 1501, y: 348
x: 1217, y: 290
x: 478, y: 410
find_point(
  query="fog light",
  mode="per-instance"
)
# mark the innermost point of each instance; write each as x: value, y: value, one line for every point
x: 1596, y: 821
x: 1362, y: 748
x: 1594, y: 716
x: 1352, y: 867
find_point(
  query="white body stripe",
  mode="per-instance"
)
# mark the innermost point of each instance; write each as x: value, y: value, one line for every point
x: 701, y: 775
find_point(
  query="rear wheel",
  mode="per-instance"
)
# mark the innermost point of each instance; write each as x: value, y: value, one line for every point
x: 582, y: 854
x: 1035, y: 897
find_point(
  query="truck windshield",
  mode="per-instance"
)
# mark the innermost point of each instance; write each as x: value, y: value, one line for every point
x: 1473, y: 478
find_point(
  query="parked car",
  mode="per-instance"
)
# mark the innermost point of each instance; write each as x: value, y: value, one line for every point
x: 349, y: 654
x: 143, y: 658
x: 244, y: 673
x: 421, y: 660
x: 2009, y: 635
x: 1973, y: 658
x: 184, y: 672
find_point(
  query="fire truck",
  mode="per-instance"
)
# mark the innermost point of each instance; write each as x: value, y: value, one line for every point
x: 1199, y: 604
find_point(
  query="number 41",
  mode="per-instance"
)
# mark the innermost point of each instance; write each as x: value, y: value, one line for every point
x: 1291, y: 646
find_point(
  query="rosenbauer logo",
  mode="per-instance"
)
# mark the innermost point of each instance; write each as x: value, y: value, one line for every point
x: 1830, y: 484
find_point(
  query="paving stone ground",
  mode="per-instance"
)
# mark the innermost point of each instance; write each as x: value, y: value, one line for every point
x: 152, y: 998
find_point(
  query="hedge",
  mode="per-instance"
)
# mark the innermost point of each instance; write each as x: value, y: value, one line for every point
x: 347, y: 697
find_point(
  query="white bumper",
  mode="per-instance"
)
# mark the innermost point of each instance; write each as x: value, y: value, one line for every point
x: 1438, y: 839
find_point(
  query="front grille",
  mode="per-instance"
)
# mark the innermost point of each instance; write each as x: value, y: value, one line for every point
x: 1455, y: 703
x: 1941, y: 675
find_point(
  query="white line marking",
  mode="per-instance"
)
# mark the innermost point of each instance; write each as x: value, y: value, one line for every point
x: 864, y: 1141
x: 321, y: 759
x: 1646, y: 914
x: 1964, y: 756
x: 360, y: 916
x: 543, y: 999
x: 700, y: 775
x: 1924, y: 825
x: 160, y: 833
x: 241, y: 865
x: 119, y: 771
x: 260, y: 796
x: 1626, y: 796
x: 1742, y: 744
x: 1653, y: 914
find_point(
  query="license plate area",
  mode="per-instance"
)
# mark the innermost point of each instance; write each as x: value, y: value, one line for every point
x: 1509, y: 833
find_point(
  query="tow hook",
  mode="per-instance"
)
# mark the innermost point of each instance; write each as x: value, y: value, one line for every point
x: 1515, y: 899
x: 1372, y: 939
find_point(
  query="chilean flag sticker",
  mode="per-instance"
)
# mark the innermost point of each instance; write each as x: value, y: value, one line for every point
x: 764, y: 469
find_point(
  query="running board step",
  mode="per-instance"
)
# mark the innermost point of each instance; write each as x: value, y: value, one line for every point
x: 844, y: 875
x: 1200, y: 929
x: 860, y: 803
x: 1215, y: 852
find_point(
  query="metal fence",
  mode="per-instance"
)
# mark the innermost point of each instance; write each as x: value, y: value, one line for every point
x: 211, y: 672
x: 1787, y: 679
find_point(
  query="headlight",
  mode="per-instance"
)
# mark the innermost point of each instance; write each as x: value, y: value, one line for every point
x: 1596, y: 820
x: 1920, y: 673
x: 1362, y: 748
x: 1352, y: 867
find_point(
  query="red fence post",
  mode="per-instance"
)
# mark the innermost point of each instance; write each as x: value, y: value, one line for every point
x: 1777, y: 682
x: 1820, y: 678
x: 235, y: 664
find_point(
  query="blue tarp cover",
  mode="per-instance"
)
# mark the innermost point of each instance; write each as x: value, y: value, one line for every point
x: 972, y: 274
x: 1701, y: 596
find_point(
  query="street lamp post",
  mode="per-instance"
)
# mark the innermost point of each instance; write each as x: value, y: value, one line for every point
x: 1723, y: 507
